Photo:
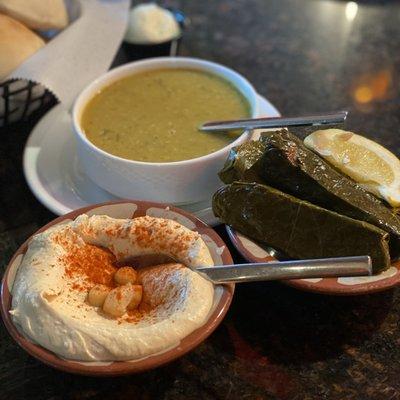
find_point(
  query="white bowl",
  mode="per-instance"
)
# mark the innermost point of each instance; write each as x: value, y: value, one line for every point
x: 179, y: 182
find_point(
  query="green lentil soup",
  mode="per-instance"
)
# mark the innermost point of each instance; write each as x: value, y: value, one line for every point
x: 154, y: 116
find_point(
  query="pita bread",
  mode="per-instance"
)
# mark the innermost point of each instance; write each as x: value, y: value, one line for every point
x: 37, y: 14
x: 17, y: 43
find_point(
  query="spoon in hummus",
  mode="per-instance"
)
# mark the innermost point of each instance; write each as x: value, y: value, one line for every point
x: 282, y: 270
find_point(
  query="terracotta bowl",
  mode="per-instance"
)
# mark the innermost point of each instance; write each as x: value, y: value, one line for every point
x: 126, y: 209
x: 346, y: 286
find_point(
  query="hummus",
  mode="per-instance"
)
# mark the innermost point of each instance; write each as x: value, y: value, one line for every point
x: 50, y: 290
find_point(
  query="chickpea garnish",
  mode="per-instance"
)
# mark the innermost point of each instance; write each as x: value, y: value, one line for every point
x: 97, y: 295
x: 125, y: 275
x: 137, y: 297
x: 118, y: 299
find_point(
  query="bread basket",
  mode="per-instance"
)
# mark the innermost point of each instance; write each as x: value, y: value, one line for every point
x: 20, y: 98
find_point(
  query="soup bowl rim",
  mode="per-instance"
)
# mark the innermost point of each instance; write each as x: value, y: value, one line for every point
x: 118, y: 73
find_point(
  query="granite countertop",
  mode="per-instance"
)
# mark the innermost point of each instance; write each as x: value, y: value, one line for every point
x: 276, y: 342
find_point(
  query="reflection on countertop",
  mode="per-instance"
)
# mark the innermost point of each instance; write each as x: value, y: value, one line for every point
x: 310, y: 55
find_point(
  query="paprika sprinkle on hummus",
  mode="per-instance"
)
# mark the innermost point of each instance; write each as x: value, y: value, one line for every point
x: 94, y: 264
x: 76, y: 294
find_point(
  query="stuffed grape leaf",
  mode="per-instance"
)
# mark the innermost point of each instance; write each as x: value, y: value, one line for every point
x: 244, y: 163
x: 289, y: 166
x: 296, y: 227
x: 281, y: 160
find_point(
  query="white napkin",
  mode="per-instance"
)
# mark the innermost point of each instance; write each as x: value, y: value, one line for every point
x: 81, y: 52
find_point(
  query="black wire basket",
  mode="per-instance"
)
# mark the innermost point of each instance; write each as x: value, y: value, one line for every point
x: 20, y: 98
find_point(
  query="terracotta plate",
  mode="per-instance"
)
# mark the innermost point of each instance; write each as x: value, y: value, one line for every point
x: 126, y: 209
x: 253, y: 252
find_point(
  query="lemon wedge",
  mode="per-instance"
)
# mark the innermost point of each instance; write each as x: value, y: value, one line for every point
x: 372, y: 166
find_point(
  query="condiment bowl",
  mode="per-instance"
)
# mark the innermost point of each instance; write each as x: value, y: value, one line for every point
x: 125, y: 209
x: 170, y: 47
x: 179, y: 182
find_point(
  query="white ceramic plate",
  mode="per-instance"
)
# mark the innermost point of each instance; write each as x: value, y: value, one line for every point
x: 57, y: 180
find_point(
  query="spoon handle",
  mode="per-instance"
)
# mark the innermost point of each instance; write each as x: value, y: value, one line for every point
x: 276, y: 122
x: 299, y: 269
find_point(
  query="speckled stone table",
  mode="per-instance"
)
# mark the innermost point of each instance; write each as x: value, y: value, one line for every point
x: 275, y: 343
